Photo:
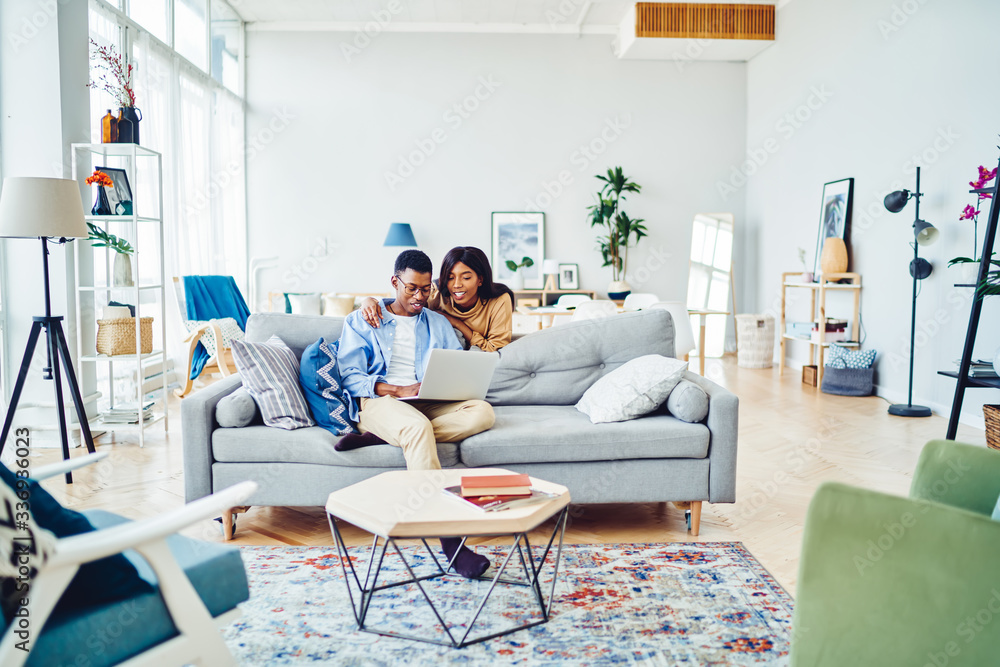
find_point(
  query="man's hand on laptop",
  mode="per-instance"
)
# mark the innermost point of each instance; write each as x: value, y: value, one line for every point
x: 383, y: 389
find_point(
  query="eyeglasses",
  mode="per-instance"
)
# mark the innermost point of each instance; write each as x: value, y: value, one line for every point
x: 412, y: 289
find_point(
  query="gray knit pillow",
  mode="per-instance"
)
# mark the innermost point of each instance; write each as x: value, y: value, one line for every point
x: 236, y: 410
x: 270, y: 373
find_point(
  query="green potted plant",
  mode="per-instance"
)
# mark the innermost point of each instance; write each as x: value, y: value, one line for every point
x: 618, y: 230
x: 517, y: 280
x: 122, y: 269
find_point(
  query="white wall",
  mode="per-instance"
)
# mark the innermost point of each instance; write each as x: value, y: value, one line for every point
x: 328, y: 130
x: 894, y: 85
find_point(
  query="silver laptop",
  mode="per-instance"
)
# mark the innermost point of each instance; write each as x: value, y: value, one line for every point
x: 456, y: 375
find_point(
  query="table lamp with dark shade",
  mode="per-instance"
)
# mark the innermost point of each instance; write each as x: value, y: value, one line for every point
x: 400, y: 235
x: 49, y: 209
x: 924, y: 234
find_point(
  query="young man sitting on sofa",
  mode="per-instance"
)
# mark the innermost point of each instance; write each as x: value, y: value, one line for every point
x: 380, y: 366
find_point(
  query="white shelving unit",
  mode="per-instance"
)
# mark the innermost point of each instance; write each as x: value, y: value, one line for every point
x: 94, y: 287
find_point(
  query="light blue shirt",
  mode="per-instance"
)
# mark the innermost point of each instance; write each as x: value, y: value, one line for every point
x: 365, y: 352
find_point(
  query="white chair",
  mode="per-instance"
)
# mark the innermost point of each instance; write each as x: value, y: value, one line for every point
x: 198, y: 639
x: 594, y: 310
x: 571, y: 300
x: 684, y: 335
x: 640, y: 301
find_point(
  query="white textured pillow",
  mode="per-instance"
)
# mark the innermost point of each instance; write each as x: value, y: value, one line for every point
x: 337, y: 306
x: 636, y: 388
x: 304, y: 304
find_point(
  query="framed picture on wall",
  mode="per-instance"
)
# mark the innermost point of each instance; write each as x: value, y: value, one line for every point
x: 569, y: 276
x: 516, y: 236
x: 835, y: 215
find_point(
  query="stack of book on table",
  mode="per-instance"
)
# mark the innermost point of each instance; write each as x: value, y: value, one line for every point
x: 980, y: 368
x: 493, y: 493
x: 127, y: 413
x: 835, y: 331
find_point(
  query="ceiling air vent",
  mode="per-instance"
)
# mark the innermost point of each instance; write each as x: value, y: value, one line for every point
x: 684, y: 20
x: 689, y: 31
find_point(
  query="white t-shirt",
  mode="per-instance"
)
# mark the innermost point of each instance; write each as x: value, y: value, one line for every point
x: 403, y: 353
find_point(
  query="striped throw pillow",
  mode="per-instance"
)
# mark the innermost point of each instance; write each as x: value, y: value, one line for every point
x: 270, y: 373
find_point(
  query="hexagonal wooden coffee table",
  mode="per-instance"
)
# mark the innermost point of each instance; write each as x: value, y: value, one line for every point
x: 409, y: 504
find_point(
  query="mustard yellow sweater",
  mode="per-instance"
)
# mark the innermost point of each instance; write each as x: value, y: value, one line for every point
x: 490, y: 322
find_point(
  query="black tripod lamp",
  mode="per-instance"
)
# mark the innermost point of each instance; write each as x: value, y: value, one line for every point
x: 49, y: 209
x: 924, y: 233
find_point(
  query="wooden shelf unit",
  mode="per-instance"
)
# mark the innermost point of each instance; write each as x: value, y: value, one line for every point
x: 548, y: 297
x: 818, y: 294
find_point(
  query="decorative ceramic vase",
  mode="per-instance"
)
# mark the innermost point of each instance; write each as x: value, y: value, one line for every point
x: 128, y: 125
x: 516, y: 282
x: 101, y: 204
x: 122, y: 270
x: 618, y: 290
x: 834, y: 257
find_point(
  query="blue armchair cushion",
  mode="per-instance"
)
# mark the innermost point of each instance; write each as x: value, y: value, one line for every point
x: 322, y: 389
x: 110, y: 633
x: 106, y: 580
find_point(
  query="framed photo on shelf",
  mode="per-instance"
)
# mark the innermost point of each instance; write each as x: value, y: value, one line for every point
x: 516, y: 236
x: 835, y: 216
x: 569, y: 276
x: 120, y: 195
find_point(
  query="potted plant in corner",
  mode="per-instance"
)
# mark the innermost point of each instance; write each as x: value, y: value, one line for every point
x: 122, y: 269
x: 517, y: 280
x: 970, y: 265
x: 618, y: 230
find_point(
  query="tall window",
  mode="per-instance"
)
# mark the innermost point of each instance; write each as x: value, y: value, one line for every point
x: 193, y: 115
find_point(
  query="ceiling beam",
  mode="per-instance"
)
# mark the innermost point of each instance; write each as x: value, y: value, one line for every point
x: 402, y: 26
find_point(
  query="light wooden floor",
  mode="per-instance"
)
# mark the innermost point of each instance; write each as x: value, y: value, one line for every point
x: 792, y: 438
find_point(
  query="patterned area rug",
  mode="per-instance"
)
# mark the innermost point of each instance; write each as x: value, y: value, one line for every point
x: 707, y: 603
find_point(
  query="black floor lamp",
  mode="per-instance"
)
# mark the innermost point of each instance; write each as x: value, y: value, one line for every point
x: 49, y: 209
x: 924, y: 233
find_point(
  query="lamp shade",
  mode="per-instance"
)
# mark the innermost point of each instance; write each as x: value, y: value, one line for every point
x: 35, y: 207
x: 400, y: 235
x: 925, y: 232
x: 550, y: 266
x: 895, y: 201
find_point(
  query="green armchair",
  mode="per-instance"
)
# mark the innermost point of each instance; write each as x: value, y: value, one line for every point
x: 885, y: 580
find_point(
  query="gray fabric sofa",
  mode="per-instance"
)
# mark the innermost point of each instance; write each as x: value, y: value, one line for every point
x: 538, y: 430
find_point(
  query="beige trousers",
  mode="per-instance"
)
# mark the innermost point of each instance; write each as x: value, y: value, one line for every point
x: 417, y: 426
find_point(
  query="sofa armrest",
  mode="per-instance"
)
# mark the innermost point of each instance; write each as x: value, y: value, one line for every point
x: 723, y: 425
x: 958, y: 475
x: 197, y: 424
x: 886, y: 580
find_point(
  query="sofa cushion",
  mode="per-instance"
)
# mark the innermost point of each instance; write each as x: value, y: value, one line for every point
x: 260, y: 444
x: 236, y: 410
x: 548, y: 433
x: 84, y: 637
x: 632, y: 390
x: 320, y: 381
x: 298, y: 331
x: 555, y: 366
x: 688, y: 402
x: 270, y: 373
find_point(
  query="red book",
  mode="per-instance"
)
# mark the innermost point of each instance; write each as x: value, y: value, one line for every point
x: 496, y: 485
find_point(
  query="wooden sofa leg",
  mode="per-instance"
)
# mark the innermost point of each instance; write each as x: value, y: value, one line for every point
x: 228, y: 524
x: 695, y: 517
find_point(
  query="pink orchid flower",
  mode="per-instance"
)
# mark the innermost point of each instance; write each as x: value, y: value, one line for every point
x: 968, y: 213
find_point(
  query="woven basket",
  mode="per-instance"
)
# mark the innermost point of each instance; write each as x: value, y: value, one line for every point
x: 992, y: 414
x: 118, y: 336
x: 756, y: 341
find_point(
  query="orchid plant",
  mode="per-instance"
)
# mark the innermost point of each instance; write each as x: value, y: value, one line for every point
x: 971, y: 212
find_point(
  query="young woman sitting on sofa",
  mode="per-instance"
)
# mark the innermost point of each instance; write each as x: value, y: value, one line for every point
x: 465, y: 293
